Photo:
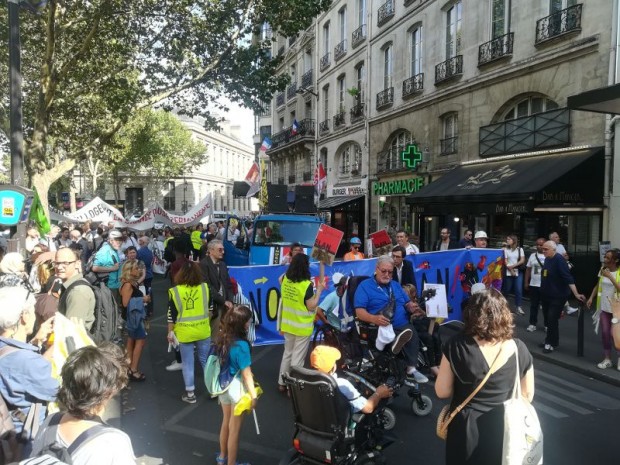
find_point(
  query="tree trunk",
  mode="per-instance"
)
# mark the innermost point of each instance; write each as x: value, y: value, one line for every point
x: 116, y: 187
x: 42, y: 180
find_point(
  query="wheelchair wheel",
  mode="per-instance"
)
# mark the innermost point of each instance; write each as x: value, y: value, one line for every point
x: 422, y: 406
x: 388, y: 417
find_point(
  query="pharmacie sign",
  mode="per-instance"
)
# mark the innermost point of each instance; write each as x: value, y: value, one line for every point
x: 403, y: 186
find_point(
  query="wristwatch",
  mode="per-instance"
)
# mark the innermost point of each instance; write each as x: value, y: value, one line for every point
x: 614, y: 320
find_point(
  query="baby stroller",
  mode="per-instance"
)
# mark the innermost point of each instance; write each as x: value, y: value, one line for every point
x: 326, y: 431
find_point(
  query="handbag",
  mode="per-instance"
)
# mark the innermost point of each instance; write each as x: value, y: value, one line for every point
x: 523, y: 437
x: 445, y: 416
x: 524, y: 265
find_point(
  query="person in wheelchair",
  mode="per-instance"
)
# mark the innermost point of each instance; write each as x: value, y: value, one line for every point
x: 382, y: 302
x: 324, y: 358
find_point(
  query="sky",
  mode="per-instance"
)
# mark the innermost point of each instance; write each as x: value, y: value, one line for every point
x: 243, y: 117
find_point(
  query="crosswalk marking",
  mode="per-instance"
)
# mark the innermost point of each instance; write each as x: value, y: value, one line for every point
x: 564, y: 403
x: 574, y: 391
x: 548, y: 410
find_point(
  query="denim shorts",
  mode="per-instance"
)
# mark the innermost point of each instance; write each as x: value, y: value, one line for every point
x: 137, y: 333
x: 234, y: 392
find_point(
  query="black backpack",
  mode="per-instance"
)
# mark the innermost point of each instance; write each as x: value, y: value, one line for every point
x: 52, y: 452
x: 105, y: 327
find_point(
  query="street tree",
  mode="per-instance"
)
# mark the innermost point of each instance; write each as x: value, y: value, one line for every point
x: 88, y: 65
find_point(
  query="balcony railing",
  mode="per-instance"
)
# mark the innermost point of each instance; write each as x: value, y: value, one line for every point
x: 540, y: 131
x: 390, y: 160
x: 339, y: 119
x: 305, y: 128
x: 449, y: 69
x: 307, y: 175
x: 325, y: 62
x: 385, y: 97
x: 358, y: 36
x: 559, y: 24
x: 306, y: 79
x: 324, y: 127
x: 280, y: 99
x: 291, y: 179
x: 385, y: 12
x: 413, y: 85
x: 357, y: 112
x: 448, y: 145
x: 280, y: 181
x: 340, y: 50
x: 291, y: 91
x: 495, y: 49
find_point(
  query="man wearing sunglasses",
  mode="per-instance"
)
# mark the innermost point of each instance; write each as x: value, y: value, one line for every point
x: 354, y: 252
x: 77, y: 299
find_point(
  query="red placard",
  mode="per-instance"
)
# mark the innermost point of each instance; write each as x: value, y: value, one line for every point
x: 381, y: 238
x: 326, y: 244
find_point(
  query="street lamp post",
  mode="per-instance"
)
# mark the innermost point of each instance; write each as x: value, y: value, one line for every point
x: 184, y: 204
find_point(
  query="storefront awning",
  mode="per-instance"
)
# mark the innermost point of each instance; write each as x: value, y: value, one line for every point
x: 603, y: 100
x: 331, y: 202
x: 559, y: 178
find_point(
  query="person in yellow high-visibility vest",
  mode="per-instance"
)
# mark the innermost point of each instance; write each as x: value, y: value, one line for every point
x: 196, y: 238
x: 188, y: 322
x: 296, y: 319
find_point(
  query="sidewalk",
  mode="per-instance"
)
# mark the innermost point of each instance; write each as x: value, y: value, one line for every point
x: 566, y: 354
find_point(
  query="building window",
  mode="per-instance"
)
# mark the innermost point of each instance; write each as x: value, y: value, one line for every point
x: 342, y: 23
x: 169, y: 196
x: 342, y: 91
x: 351, y: 159
x: 559, y: 5
x: 530, y: 106
x: 453, y: 30
x: 325, y: 103
x: 359, y: 76
x: 326, y: 38
x: 449, y: 143
x: 500, y: 18
x: 416, y: 51
x: 361, y: 12
x: 387, y: 67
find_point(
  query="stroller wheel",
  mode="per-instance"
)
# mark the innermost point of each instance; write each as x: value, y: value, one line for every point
x: 388, y: 417
x: 422, y: 405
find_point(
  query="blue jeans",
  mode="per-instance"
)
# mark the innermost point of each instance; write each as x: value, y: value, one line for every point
x: 514, y: 284
x: 187, y: 359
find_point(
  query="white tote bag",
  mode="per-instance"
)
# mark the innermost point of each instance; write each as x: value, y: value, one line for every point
x: 523, y: 437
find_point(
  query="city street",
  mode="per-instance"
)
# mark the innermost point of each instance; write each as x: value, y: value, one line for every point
x: 576, y: 412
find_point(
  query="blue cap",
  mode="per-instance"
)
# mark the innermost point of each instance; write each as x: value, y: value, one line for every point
x: 355, y: 240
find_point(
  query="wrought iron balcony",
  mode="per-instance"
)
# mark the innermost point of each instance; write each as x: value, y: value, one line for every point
x: 449, y: 69
x: 495, y: 49
x: 307, y: 175
x: 291, y: 91
x: 390, y: 160
x: 305, y: 130
x: 385, y: 12
x: 558, y: 24
x: 340, y: 50
x: 339, y: 119
x: 324, y: 127
x: 291, y: 179
x: 358, y: 36
x: 280, y: 99
x: 385, y: 98
x: 280, y: 181
x: 306, y: 79
x: 325, y: 62
x: 540, y: 131
x: 413, y: 85
x: 449, y: 145
x: 357, y: 112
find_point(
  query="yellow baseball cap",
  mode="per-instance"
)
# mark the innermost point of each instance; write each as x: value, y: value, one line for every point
x: 323, y: 358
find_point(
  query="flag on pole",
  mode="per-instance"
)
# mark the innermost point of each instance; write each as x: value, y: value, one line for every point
x: 320, y: 178
x: 266, y: 145
x: 294, y: 128
x: 263, y: 196
x: 253, y: 179
x: 38, y: 216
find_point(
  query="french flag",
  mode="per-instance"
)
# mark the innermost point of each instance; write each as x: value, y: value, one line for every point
x: 266, y: 145
x: 295, y: 128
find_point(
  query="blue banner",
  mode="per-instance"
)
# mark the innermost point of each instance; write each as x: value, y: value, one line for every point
x: 458, y: 270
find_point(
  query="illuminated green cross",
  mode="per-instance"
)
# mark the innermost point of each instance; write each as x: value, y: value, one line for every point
x: 412, y: 156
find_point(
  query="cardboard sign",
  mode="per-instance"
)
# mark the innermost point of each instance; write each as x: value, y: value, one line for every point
x: 326, y: 244
x: 437, y: 306
x: 381, y: 239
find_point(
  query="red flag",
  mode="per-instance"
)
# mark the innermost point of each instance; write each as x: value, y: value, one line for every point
x: 320, y: 178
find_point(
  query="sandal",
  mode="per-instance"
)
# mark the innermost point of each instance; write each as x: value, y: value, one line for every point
x: 604, y: 364
x: 136, y: 376
x: 220, y: 460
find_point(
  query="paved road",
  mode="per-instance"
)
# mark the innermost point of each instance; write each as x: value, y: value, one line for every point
x: 577, y: 414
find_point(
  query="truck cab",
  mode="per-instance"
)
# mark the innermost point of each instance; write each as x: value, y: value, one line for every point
x: 270, y: 238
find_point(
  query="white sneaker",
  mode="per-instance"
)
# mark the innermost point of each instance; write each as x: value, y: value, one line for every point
x: 520, y: 311
x: 174, y: 366
x: 415, y: 377
x: 570, y: 310
x: 545, y: 329
x: 531, y: 328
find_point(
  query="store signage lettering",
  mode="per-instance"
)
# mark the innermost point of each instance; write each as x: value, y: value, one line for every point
x: 356, y: 190
x: 511, y: 208
x: 561, y: 196
x: 404, y: 186
x: 495, y: 176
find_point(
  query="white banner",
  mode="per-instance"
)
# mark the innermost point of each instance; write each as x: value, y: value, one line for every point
x: 101, y: 211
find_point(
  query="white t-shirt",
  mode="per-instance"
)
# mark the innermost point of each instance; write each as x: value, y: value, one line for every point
x: 536, y: 268
x: 512, y: 257
x: 559, y: 248
x: 113, y: 448
x: 607, y: 292
x: 412, y: 249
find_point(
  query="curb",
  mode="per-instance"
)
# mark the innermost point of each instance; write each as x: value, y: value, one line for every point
x: 600, y: 376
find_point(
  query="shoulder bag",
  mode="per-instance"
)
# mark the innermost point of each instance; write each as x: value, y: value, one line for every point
x: 445, y: 416
x: 523, y: 437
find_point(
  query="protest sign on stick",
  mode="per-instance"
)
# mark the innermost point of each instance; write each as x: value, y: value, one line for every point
x: 326, y: 244
x: 382, y: 242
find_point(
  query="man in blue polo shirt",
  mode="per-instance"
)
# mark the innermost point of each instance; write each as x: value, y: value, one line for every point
x: 107, y: 263
x: 372, y: 297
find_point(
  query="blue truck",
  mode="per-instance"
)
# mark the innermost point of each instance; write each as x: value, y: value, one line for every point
x: 270, y: 239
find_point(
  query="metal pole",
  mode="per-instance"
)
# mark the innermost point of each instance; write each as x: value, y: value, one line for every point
x: 580, y: 323
x: 15, y: 92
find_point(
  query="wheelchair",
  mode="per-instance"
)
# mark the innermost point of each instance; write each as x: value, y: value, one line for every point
x: 326, y: 430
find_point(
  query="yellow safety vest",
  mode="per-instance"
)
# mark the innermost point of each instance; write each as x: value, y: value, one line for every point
x: 296, y: 319
x: 196, y: 240
x: 192, y: 303
x: 599, y: 291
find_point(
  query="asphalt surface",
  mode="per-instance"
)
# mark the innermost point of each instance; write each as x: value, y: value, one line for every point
x: 577, y: 403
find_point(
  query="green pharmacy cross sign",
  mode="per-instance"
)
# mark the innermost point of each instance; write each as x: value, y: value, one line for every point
x: 411, y: 156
